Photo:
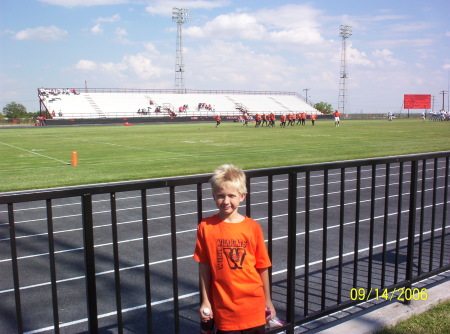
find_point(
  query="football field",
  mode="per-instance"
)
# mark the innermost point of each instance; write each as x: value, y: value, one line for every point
x: 41, y: 157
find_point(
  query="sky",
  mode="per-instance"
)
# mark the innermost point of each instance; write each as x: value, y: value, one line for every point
x: 396, y: 47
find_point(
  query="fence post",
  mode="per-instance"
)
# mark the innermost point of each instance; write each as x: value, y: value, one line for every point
x: 411, y: 225
x: 89, y: 262
x: 292, y: 231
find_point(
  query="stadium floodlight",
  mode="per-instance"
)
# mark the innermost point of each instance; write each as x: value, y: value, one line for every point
x: 306, y: 90
x: 346, y: 32
x: 179, y: 16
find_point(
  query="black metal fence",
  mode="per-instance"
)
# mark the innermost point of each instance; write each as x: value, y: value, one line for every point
x: 118, y: 257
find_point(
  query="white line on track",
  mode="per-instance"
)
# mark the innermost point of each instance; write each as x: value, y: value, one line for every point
x: 189, y: 295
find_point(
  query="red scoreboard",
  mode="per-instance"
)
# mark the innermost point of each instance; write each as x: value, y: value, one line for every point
x: 417, y: 101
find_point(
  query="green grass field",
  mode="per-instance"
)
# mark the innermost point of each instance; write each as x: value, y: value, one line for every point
x: 40, y: 157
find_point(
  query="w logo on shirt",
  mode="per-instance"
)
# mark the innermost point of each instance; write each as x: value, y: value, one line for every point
x: 235, y: 257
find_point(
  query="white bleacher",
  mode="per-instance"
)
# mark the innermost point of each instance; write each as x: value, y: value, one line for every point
x: 127, y: 104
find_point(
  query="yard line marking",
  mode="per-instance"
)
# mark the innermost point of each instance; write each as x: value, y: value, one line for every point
x: 28, y: 151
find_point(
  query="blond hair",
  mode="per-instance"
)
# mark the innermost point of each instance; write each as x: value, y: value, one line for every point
x: 228, y: 176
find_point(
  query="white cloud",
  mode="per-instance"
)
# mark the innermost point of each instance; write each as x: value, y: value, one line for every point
x: 237, y: 66
x: 85, y: 65
x: 357, y: 57
x: 164, y: 7
x: 133, y: 67
x: 114, y: 18
x: 384, y: 57
x: 291, y: 24
x: 83, y: 3
x: 51, y: 33
x: 142, y: 66
x: 229, y: 26
x: 97, y: 29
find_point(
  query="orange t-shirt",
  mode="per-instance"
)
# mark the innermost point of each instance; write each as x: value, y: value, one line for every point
x: 234, y: 252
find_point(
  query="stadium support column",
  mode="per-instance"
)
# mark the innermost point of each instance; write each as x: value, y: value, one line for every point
x: 180, y: 16
x: 346, y: 32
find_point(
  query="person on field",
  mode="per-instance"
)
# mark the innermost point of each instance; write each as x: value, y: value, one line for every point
x: 282, y: 121
x: 337, y: 116
x: 245, y: 120
x: 264, y: 120
x: 233, y: 261
x: 303, y: 118
x: 272, y: 119
x: 217, y: 120
x: 313, y: 118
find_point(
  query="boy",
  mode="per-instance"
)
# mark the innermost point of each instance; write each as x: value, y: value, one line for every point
x: 233, y: 260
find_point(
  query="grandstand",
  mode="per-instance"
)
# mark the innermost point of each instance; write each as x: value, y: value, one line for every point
x: 92, y: 104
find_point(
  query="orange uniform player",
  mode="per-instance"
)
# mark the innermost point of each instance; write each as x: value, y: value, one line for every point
x: 337, y: 116
x: 283, y: 121
x: 218, y: 119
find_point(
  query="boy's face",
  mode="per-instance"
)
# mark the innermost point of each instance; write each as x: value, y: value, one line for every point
x: 228, y: 200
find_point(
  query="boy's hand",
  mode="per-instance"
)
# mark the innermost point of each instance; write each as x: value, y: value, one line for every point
x: 271, y: 308
x: 206, y: 313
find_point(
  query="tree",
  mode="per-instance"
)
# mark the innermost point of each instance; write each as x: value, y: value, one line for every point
x: 324, y: 108
x: 15, y: 110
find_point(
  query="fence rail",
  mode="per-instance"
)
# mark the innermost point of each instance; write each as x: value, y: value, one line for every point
x: 119, y: 256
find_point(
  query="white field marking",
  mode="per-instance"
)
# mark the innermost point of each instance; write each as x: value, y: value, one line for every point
x: 33, y: 152
x: 120, y: 145
x: 192, y: 294
x: 180, y: 157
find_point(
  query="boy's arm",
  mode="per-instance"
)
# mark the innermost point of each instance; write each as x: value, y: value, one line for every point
x: 264, y: 273
x: 205, y: 282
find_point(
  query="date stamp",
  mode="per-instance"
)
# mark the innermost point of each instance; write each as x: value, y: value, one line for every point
x: 400, y: 294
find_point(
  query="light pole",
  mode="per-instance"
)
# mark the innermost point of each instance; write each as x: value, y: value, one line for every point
x: 306, y: 90
x: 443, y: 95
x: 346, y: 32
x: 180, y: 16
